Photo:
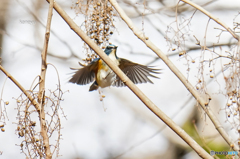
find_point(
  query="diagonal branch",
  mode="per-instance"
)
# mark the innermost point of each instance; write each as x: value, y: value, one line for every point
x: 33, y: 101
x: 175, y: 70
x: 201, y: 152
x: 213, y: 18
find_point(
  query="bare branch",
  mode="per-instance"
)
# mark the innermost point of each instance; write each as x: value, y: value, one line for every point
x: 175, y: 70
x: 213, y: 18
x: 33, y: 101
x: 41, y: 95
x: 130, y: 84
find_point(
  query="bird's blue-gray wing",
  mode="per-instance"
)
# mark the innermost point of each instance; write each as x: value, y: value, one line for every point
x: 86, y: 74
x: 137, y: 73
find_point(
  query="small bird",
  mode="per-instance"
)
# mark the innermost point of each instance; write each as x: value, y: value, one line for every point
x: 99, y: 71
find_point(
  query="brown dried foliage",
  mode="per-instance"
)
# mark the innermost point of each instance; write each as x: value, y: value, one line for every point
x: 28, y: 126
x: 98, y: 24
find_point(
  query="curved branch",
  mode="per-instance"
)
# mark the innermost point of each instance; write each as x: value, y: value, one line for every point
x: 213, y: 18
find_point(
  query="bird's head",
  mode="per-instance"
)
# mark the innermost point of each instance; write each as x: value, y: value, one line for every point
x: 110, y: 49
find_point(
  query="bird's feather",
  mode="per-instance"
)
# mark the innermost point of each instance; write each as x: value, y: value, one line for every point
x: 86, y: 74
x: 137, y: 73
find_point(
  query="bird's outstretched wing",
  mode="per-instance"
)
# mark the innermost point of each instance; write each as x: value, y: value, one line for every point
x: 136, y: 73
x: 86, y: 74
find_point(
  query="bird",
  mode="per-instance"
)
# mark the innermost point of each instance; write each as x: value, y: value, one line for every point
x: 99, y: 72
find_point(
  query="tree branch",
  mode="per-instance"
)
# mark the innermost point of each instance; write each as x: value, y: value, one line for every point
x: 201, y: 152
x: 41, y: 95
x: 33, y: 101
x: 213, y: 18
x: 174, y: 69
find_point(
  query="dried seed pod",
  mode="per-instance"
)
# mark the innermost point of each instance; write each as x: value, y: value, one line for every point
x: 21, y: 133
x: 33, y: 123
x: 182, y: 53
x: 98, y: 24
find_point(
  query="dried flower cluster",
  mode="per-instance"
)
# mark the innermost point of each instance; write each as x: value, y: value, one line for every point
x: 28, y: 126
x: 98, y: 22
x: 178, y: 38
x: 232, y: 80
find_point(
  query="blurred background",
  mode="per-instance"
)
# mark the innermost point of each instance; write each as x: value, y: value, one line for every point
x: 126, y: 129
